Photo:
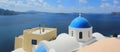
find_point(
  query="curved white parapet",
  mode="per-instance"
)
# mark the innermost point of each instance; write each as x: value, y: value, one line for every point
x: 63, y: 43
x: 98, y: 36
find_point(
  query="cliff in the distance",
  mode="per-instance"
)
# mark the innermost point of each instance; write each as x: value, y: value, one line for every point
x: 7, y: 12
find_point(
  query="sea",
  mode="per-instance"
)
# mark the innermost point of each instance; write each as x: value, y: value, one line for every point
x: 13, y: 25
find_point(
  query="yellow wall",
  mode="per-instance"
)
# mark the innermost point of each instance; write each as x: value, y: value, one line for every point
x: 18, y: 42
x: 28, y: 36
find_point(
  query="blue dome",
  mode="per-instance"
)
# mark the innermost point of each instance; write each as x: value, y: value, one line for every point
x: 79, y: 22
x: 41, y: 48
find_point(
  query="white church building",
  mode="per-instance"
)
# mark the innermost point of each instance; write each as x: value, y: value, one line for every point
x: 80, y: 35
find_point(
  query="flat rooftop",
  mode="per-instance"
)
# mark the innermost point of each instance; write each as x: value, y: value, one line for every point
x: 39, y: 31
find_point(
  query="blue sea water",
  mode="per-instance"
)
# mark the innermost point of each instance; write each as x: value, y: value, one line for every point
x: 11, y: 26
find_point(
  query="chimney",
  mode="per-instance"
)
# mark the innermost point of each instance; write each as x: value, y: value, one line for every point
x: 43, y: 27
x: 40, y: 28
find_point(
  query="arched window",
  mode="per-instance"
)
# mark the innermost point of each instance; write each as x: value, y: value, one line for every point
x: 71, y: 33
x: 80, y: 35
x: 89, y: 34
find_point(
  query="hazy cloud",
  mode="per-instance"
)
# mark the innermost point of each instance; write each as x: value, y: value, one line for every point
x: 58, y: 1
x: 83, y: 1
x: 115, y: 2
x: 105, y: 5
x: 41, y: 5
x: 104, y: 0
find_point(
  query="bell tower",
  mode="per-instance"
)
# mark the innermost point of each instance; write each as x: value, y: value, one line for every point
x: 80, y: 29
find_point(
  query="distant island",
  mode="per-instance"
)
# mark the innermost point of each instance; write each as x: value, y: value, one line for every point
x: 7, y: 12
x: 116, y: 13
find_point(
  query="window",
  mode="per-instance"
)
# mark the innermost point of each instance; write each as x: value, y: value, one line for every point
x: 89, y: 34
x: 80, y: 35
x: 34, y: 42
x: 72, y: 33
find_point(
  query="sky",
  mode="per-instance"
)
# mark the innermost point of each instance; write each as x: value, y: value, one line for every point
x: 62, y: 6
